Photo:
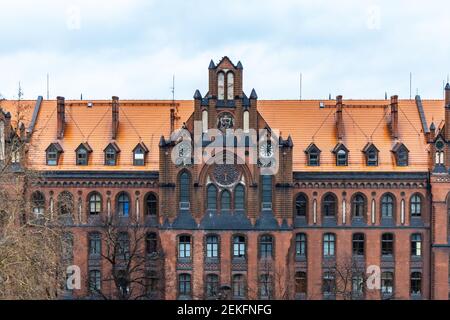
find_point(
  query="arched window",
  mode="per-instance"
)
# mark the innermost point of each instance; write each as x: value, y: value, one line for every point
x: 204, y: 121
x: 65, y: 203
x: 230, y: 86
x: 239, y: 197
x: 329, y: 244
x: 416, y: 206
x: 387, y: 206
x: 151, y: 204
x: 358, y: 244
x: 387, y: 244
x: 184, y: 284
x: 246, y: 120
x: 151, y: 243
x: 329, y: 205
x: 185, y: 181
x: 300, y: 282
x: 123, y: 204
x: 239, y: 247
x: 212, y: 197
x: 266, y: 246
x: 221, y: 86
x: 301, y: 205
x: 416, y: 283
x: 38, y: 203
x: 300, y: 245
x: 225, y: 202
x: 95, y: 203
x: 238, y: 286
x: 359, y: 206
x: 212, y: 285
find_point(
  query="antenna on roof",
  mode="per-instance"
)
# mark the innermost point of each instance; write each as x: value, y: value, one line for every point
x: 300, y: 86
x: 385, y: 95
x: 81, y: 96
x: 329, y: 96
x: 410, y: 85
x: 48, y: 87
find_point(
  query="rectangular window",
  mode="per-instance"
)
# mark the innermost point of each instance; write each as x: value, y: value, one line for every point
x: 52, y: 158
x: 94, y: 281
x: 372, y: 158
x: 184, y: 247
x: 416, y: 245
x: 266, y: 191
x: 329, y: 245
x: 314, y: 159
x: 110, y: 157
x: 212, y: 247
x: 139, y: 158
x: 94, y: 244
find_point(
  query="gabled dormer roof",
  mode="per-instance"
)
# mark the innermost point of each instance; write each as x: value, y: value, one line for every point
x: 56, y: 146
x: 114, y: 146
x: 85, y: 146
x: 399, y: 146
x: 312, y: 148
x: 369, y: 147
x: 340, y: 146
x: 142, y: 146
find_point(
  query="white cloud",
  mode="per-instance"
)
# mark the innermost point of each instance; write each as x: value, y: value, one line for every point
x: 132, y: 48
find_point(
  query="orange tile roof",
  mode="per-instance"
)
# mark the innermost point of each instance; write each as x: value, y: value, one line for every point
x: 20, y: 111
x: 139, y: 121
x: 305, y: 121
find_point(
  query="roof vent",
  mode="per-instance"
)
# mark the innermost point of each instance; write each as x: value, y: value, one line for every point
x: 90, y: 104
x: 322, y: 105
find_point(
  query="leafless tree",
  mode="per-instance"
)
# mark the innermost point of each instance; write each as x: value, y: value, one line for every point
x: 346, y: 278
x: 32, y: 247
x: 135, y: 264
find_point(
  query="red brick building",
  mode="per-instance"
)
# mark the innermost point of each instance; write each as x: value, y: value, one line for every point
x: 360, y: 183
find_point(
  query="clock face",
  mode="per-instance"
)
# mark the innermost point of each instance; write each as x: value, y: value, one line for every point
x: 439, y: 144
x: 184, y: 153
x: 266, y: 150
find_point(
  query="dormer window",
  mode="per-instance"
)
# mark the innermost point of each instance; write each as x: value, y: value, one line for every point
x: 371, y: 153
x: 313, y: 155
x: 401, y: 154
x: 52, y: 154
x: 341, y: 153
x: 82, y: 154
x: 139, y: 154
x: 111, y: 152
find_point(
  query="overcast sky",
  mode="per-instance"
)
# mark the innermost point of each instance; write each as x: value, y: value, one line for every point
x: 131, y: 48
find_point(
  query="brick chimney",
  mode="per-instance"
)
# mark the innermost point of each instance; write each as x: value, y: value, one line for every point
x: 394, y: 116
x: 339, y: 120
x: 115, y: 117
x: 61, y: 116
